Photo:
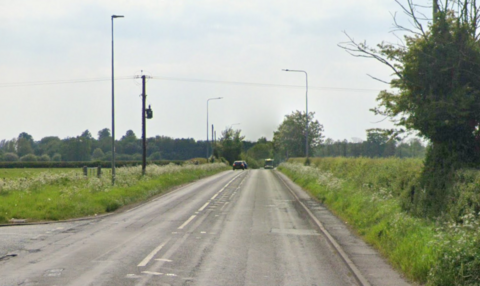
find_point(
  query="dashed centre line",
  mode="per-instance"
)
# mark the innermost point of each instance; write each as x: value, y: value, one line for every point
x: 214, y: 196
x: 152, y: 273
x: 151, y: 255
x: 204, y: 206
x: 187, y: 222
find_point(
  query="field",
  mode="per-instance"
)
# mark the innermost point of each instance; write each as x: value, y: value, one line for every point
x: 58, y: 194
x: 9, y: 174
x: 372, y: 196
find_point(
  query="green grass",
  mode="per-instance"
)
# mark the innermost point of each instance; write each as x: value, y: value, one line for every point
x: 375, y: 196
x: 373, y: 210
x: 32, y: 172
x: 53, y: 195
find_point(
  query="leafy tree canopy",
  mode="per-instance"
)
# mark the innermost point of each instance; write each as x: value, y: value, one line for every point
x: 290, y: 137
x: 230, y: 145
x: 436, y: 89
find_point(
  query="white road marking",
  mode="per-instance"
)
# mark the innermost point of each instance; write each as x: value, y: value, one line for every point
x: 187, y: 222
x: 151, y: 255
x: 204, y: 206
x: 171, y: 274
x: 214, y: 196
x: 152, y: 273
x: 132, y: 276
x: 164, y: 260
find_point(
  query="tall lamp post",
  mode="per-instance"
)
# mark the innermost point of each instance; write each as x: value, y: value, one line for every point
x: 306, y: 106
x: 113, y: 108
x: 214, y: 98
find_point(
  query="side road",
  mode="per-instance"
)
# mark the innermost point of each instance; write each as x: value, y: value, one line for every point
x: 371, y: 265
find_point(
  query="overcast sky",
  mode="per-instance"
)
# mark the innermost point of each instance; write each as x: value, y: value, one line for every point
x: 193, y: 50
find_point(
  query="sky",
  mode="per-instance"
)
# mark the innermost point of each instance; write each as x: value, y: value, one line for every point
x: 56, y: 56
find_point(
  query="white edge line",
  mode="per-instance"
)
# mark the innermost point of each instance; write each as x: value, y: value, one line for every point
x: 150, y: 256
x: 357, y: 273
x: 187, y: 222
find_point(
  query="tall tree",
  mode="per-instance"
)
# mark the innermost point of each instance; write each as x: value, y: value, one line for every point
x: 290, y: 137
x: 436, y: 76
x: 230, y: 145
x: 49, y: 145
x: 24, y: 144
x: 263, y: 149
x: 104, y: 141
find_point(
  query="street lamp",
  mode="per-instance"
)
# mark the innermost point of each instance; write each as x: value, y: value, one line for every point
x: 306, y: 106
x: 214, y: 98
x: 113, y: 109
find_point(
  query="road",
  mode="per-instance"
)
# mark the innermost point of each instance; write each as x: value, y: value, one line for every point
x: 234, y: 228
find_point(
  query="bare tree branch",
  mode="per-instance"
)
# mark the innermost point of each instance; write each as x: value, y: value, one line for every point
x: 361, y: 50
x: 380, y: 80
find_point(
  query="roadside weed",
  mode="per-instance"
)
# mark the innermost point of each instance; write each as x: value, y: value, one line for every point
x: 64, y: 195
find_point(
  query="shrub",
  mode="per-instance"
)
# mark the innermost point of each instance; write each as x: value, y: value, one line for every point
x: 10, y: 157
x: 156, y: 156
x: 29, y: 158
x: 57, y: 157
x: 97, y: 154
x: 44, y: 158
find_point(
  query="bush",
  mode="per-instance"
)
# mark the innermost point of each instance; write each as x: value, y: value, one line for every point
x: 44, y: 158
x: 156, y: 156
x: 10, y: 157
x: 29, y: 158
x: 57, y: 157
x: 97, y: 154
x: 80, y: 164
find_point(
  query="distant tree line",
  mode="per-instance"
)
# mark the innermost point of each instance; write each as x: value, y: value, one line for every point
x: 288, y: 141
x: 87, y: 148
x: 377, y: 145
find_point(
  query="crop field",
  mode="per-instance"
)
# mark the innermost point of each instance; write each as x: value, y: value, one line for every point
x: 58, y: 194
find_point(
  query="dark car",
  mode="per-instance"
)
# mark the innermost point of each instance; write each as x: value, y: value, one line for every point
x: 239, y: 165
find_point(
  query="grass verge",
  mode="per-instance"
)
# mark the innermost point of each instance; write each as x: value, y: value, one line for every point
x: 66, y: 195
x: 376, y: 215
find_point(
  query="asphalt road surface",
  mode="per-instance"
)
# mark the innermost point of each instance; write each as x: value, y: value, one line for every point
x: 235, y: 228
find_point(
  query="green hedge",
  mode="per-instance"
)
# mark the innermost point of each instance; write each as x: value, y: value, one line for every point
x: 103, y: 164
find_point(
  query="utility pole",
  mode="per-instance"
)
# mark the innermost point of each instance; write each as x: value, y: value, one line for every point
x: 211, y: 144
x: 435, y: 10
x: 146, y: 114
x: 144, y: 129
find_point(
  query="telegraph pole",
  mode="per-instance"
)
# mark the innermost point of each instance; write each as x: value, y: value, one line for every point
x: 144, y: 129
x: 146, y: 114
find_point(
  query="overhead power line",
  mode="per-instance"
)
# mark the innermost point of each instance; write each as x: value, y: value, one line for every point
x: 192, y: 80
x: 56, y: 82
x: 262, y: 84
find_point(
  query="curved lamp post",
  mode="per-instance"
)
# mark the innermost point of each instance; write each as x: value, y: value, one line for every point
x: 306, y: 106
x: 113, y: 108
